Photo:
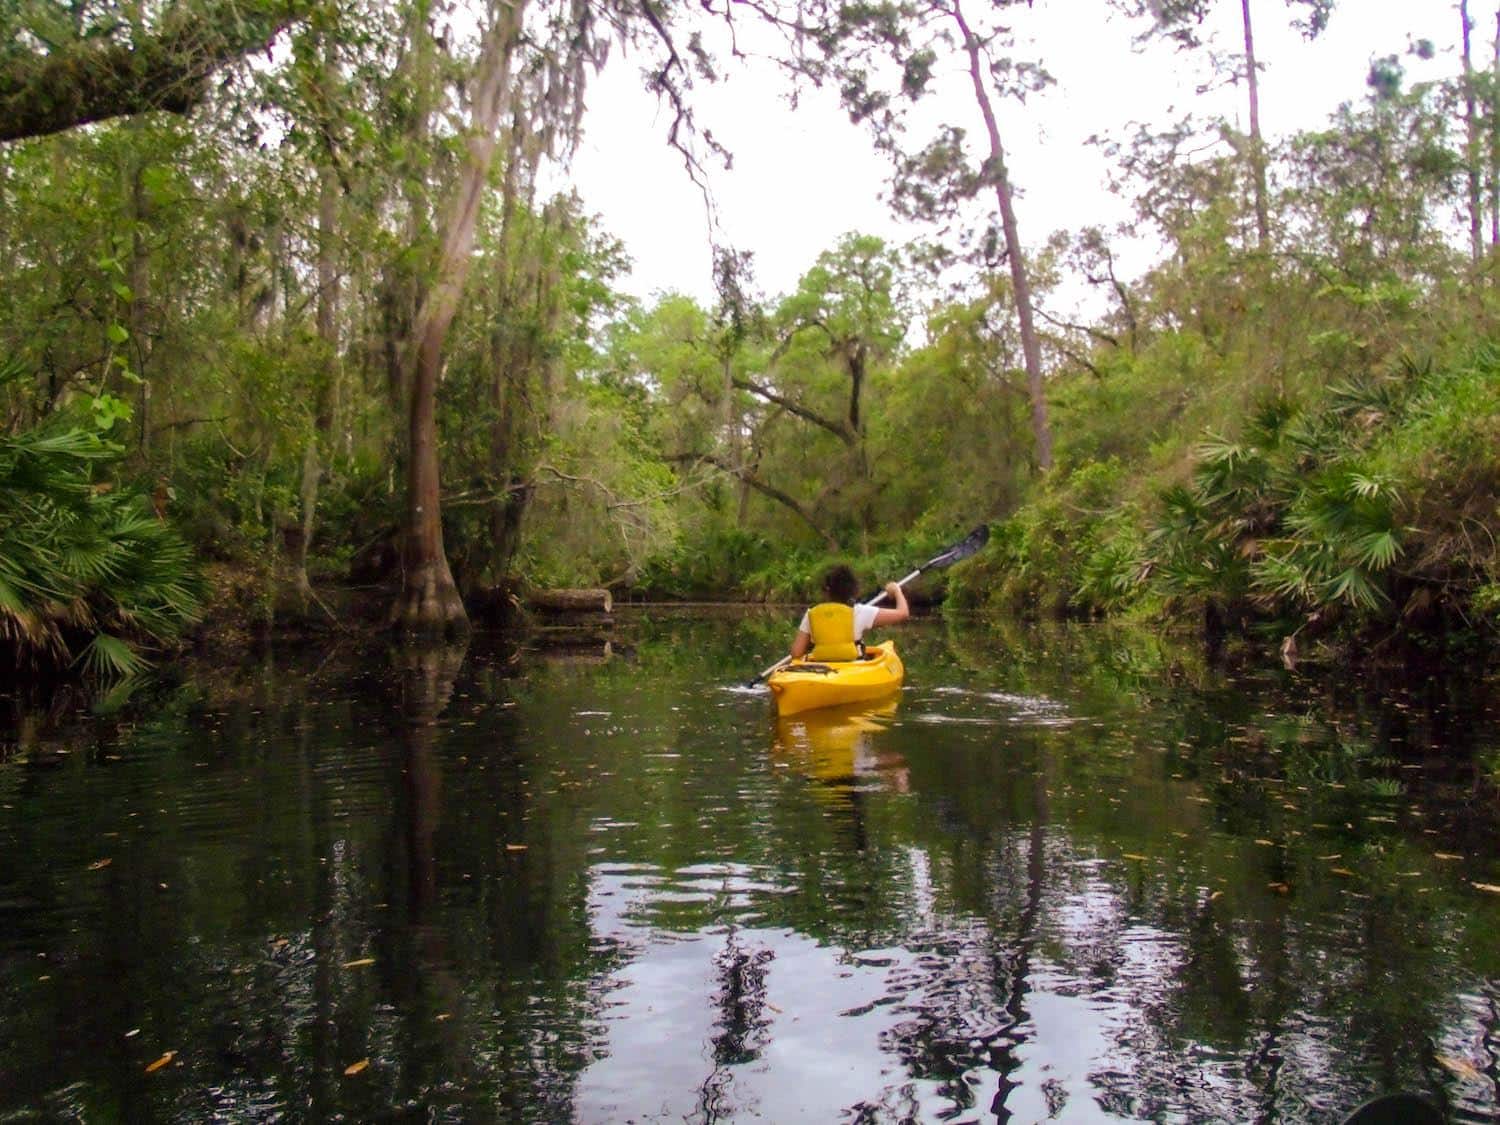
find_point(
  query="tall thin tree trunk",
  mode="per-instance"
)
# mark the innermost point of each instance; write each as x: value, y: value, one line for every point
x: 139, y: 281
x: 1031, y: 348
x: 518, y: 280
x: 328, y: 304
x: 1257, y: 145
x: 1494, y: 147
x: 429, y: 601
x: 1471, y: 144
x: 734, y: 433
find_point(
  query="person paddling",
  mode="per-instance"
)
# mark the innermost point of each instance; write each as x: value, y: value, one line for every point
x: 833, y: 630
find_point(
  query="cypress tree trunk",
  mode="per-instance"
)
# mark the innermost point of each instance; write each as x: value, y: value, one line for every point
x: 429, y: 600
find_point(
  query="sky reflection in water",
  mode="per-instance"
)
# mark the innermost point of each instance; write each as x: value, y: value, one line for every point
x: 1079, y: 877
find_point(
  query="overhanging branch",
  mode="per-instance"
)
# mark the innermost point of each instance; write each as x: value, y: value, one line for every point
x: 86, y: 81
x: 742, y: 474
x: 840, y: 430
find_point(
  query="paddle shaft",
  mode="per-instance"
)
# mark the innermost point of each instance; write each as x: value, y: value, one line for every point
x: 880, y: 597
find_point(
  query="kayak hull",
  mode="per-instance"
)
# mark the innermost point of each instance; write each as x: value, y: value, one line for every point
x: 805, y: 686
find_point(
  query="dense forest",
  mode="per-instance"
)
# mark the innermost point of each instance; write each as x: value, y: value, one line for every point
x: 288, y: 308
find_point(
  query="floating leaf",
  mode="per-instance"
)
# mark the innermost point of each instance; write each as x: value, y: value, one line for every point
x: 1266, y: 843
x: 99, y: 863
x: 360, y: 964
x: 1341, y: 871
x: 1461, y: 1067
x: 161, y: 1062
x: 1279, y: 888
x: 1132, y: 855
x: 516, y: 847
x: 1446, y: 855
x: 355, y: 1068
x: 1490, y: 887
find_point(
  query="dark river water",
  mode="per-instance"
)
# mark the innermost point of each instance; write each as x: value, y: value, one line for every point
x: 1074, y: 874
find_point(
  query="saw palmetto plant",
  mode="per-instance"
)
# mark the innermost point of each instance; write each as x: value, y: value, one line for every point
x: 88, y: 573
x: 1288, y: 518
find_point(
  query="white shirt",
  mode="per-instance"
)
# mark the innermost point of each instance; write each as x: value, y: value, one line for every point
x: 864, y: 617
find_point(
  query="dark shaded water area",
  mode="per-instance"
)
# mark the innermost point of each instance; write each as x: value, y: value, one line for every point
x: 1073, y: 873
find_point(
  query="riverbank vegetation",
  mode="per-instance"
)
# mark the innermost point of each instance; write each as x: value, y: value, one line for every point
x: 331, y: 328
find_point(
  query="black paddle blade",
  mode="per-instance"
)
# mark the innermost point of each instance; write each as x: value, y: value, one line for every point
x: 957, y: 553
x: 970, y: 546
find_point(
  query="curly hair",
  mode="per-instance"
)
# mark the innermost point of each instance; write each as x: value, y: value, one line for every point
x: 840, y: 584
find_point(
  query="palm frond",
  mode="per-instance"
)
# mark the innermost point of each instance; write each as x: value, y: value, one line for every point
x: 1377, y: 550
x: 78, y: 557
x: 1353, y: 586
x: 109, y: 658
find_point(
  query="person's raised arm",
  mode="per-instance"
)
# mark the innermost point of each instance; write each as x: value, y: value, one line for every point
x: 900, y: 612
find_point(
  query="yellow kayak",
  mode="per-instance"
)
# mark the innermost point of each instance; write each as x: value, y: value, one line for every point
x: 803, y: 685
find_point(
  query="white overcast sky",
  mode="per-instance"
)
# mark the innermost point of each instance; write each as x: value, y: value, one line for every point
x: 801, y: 180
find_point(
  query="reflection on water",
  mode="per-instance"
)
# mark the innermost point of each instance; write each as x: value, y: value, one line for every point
x: 1072, y: 875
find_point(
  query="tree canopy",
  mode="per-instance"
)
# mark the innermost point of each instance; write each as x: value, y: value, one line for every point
x: 347, y: 326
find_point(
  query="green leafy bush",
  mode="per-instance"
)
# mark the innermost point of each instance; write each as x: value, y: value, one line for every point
x: 87, y: 570
x: 721, y: 560
x: 1371, y: 505
x: 1371, y: 502
x: 1077, y: 548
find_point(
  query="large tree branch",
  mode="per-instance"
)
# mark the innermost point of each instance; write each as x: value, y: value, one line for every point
x: 741, y: 473
x: 91, y: 80
x: 839, y: 430
x: 1096, y: 334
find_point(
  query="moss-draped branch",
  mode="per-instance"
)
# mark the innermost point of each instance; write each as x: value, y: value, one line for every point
x: 84, y: 79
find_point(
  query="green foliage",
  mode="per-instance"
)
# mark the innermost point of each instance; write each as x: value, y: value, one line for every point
x: 790, y: 576
x: 1371, y: 503
x: 1346, y: 509
x: 83, y: 562
x: 722, y: 561
x: 1074, y: 549
x: 1486, y: 602
x: 1236, y: 432
x: 1288, y: 520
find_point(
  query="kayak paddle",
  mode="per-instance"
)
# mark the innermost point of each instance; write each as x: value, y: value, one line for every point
x: 977, y: 539
x: 957, y: 553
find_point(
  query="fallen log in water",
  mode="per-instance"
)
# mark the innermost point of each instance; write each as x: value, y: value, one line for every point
x: 570, y: 601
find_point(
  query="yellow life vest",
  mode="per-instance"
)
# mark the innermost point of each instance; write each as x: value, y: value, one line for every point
x: 832, y: 625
